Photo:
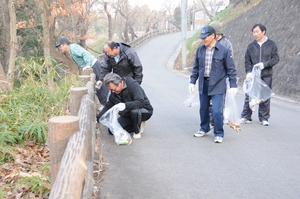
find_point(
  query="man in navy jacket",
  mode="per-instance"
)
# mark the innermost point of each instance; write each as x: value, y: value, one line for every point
x: 213, y: 64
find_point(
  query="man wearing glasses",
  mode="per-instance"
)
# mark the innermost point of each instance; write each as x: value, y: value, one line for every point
x: 130, y: 99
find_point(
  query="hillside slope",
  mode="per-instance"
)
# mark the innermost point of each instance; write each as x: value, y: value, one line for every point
x: 280, y: 18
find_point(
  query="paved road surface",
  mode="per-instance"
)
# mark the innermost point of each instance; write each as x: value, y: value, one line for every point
x: 169, y: 163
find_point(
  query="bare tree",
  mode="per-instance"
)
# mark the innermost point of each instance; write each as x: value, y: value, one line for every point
x: 9, y: 45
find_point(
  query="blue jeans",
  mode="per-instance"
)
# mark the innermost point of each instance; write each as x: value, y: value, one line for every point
x: 217, y: 111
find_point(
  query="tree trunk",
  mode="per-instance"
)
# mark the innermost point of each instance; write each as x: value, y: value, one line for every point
x: 110, y: 22
x: 13, y: 44
x: 46, y: 39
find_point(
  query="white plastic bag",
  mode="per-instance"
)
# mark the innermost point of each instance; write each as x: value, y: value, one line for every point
x: 110, y: 119
x: 231, y: 112
x: 257, y: 89
x: 193, y: 98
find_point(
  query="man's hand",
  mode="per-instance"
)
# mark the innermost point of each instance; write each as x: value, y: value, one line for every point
x: 249, y: 76
x: 86, y: 67
x: 120, y: 106
x: 98, y: 84
x: 233, y: 91
x: 259, y: 65
x: 192, y: 88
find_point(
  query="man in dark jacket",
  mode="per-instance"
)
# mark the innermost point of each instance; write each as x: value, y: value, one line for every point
x: 261, y: 53
x: 131, y: 100
x: 213, y: 64
x: 121, y: 59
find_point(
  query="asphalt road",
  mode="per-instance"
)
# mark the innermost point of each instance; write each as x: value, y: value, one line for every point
x: 168, y: 162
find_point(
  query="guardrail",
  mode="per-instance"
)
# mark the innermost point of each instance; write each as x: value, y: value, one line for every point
x: 72, y: 144
x: 142, y: 39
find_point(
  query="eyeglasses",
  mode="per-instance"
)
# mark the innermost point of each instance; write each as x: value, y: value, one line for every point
x: 114, y: 89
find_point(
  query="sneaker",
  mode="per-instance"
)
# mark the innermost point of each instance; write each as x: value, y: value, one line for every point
x: 142, y: 128
x: 218, y: 139
x: 265, y: 123
x: 201, y: 133
x: 245, y: 121
x: 137, y: 136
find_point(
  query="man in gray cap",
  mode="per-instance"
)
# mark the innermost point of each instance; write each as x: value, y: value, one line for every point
x: 220, y: 36
x: 213, y: 64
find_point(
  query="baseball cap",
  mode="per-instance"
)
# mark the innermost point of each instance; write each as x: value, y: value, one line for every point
x: 62, y: 41
x: 206, y: 31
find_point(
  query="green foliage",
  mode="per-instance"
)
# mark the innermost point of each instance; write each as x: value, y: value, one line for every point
x: 24, y: 112
x: 36, y: 184
x: 7, y: 154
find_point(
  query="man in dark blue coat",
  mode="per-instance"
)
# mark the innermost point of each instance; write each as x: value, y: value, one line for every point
x: 213, y: 64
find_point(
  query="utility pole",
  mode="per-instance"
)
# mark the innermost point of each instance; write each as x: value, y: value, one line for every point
x: 183, y: 31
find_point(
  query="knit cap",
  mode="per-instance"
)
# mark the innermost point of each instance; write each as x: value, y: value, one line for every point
x: 217, y: 26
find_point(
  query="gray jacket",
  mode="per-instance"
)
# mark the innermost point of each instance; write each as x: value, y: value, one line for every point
x: 267, y: 53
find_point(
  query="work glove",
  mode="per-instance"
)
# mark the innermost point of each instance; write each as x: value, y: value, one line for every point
x: 249, y: 76
x: 120, y: 106
x: 192, y: 88
x: 260, y: 65
x: 233, y: 91
x: 98, y: 84
x: 86, y: 67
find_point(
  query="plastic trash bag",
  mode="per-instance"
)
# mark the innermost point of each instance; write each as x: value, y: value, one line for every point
x: 193, y: 98
x: 231, y: 112
x: 257, y: 89
x: 110, y: 119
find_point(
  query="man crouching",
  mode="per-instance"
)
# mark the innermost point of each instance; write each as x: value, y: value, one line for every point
x: 131, y: 100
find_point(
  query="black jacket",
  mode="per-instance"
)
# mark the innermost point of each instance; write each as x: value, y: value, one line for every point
x: 132, y: 95
x: 267, y: 53
x: 129, y: 64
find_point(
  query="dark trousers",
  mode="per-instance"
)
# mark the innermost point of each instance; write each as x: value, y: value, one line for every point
x: 264, y: 107
x: 132, y: 120
x: 217, y: 111
x: 101, y: 93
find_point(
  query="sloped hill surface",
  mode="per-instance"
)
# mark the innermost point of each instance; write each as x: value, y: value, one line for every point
x: 281, y: 20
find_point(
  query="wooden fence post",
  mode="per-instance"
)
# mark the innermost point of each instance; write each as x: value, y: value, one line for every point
x: 60, y: 129
x: 76, y: 95
x: 83, y: 79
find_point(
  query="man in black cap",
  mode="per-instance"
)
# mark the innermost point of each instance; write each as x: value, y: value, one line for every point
x: 213, y: 63
x: 84, y: 60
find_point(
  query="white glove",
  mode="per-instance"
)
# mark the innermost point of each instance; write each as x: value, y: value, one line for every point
x: 233, y: 91
x: 98, y: 84
x: 259, y: 65
x: 86, y: 67
x: 249, y: 76
x: 192, y: 88
x: 120, y: 106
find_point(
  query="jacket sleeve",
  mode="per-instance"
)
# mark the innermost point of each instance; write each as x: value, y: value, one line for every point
x: 274, y: 56
x: 230, y: 68
x: 248, y: 61
x: 80, y: 52
x: 137, y: 96
x: 195, y: 72
x: 135, y: 62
